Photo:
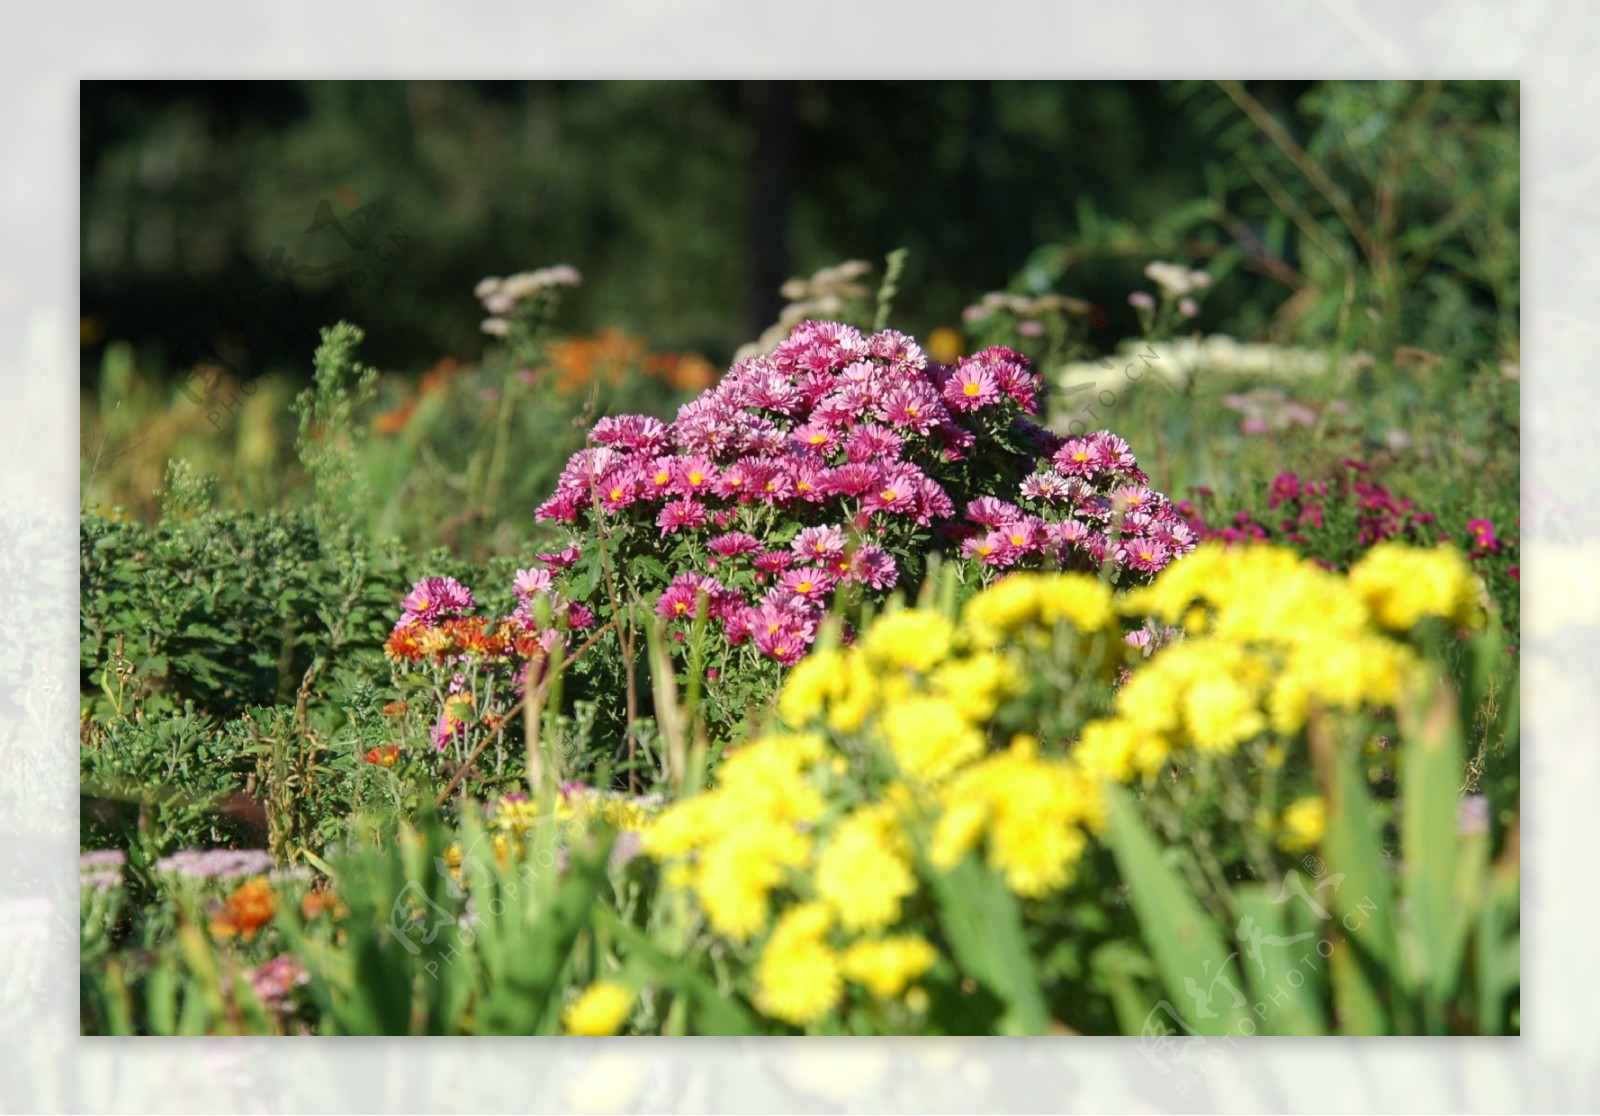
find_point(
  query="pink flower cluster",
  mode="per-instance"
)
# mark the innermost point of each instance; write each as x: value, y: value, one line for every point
x: 1090, y: 505
x: 802, y: 472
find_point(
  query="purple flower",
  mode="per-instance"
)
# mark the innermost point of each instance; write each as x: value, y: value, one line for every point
x: 216, y: 864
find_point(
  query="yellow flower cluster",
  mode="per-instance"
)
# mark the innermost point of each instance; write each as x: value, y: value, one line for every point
x: 1269, y: 635
x: 785, y: 854
x: 919, y: 690
x: 601, y: 1010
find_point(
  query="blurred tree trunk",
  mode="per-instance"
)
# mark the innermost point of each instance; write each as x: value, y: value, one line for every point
x: 770, y: 109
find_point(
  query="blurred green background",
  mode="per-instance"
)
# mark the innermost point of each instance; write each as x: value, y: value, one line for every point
x: 684, y: 204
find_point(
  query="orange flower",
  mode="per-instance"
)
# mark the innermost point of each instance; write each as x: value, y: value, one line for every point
x: 249, y: 908
x: 403, y: 643
x: 316, y: 902
x: 386, y: 755
x: 394, y: 709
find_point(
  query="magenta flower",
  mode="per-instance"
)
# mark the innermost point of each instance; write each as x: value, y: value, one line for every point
x: 433, y: 598
x: 561, y: 559
x: 896, y: 493
x: 1080, y: 457
x: 852, y: 480
x: 693, y: 475
x: 618, y: 489
x: 819, y: 544
x: 874, y: 567
x: 561, y: 508
x: 972, y: 387
x: 682, y: 597
x: 915, y: 407
x: 1142, y: 554
x: 679, y: 514
x: 774, y: 561
x: 991, y: 512
x: 1483, y: 535
x: 529, y: 582
x: 734, y: 543
x: 871, y: 442
x: 632, y: 432
x: 812, y: 582
x: 816, y: 437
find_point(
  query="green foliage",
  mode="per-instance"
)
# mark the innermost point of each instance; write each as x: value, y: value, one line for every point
x: 1407, y: 930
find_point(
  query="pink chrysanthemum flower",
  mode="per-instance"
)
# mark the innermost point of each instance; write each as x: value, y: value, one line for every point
x: 433, y: 598
x: 972, y: 387
x: 812, y: 582
x: 560, y: 508
x: 838, y: 409
x: 1025, y: 534
x: 773, y: 561
x: 991, y: 512
x: 897, y: 493
x: 773, y: 392
x: 992, y: 549
x: 561, y: 559
x: 1046, y: 486
x: 681, y: 601
x: 529, y: 582
x: 903, y: 353
x: 819, y: 544
x: 1142, y: 554
x: 852, y: 480
x: 740, y: 481
x: 1133, y: 496
x: 873, y: 566
x: 734, y: 543
x: 679, y: 514
x: 815, y: 437
x: 618, y: 489
x: 1016, y: 381
x: 656, y: 478
x: 641, y: 433
x: 810, y: 481
x: 1117, y: 454
x: 914, y: 407
x: 871, y: 442
x: 933, y: 502
x: 693, y: 475
x: 1483, y: 537
x: 1080, y: 457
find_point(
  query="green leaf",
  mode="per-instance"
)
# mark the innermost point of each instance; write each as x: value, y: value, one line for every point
x: 713, y: 1012
x: 1431, y: 763
x: 1195, y: 966
x: 1275, y: 962
x: 1363, y: 900
x: 983, y: 923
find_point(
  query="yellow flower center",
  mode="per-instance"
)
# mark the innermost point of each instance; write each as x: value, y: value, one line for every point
x: 1080, y: 456
x: 818, y: 439
x: 696, y: 477
x: 616, y: 493
x: 970, y: 388
x: 663, y: 477
x: 889, y: 494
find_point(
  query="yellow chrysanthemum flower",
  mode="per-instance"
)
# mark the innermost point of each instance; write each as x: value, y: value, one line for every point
x: 798, y: 978
x: 865, y: 870
x: 1304, y: 822
x: 1402, y: 584
x: 885, y: 967
x: 912, y: 639
x: 601, y: 1010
